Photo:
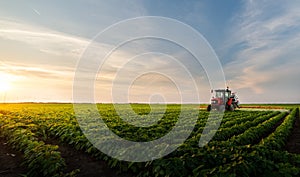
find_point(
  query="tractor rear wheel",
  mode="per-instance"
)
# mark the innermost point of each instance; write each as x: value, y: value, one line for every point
x: 208, y: 108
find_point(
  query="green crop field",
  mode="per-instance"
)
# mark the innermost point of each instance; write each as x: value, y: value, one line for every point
x: 247, y: 143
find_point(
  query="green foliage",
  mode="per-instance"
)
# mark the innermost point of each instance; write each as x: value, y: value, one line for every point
x: 278, y: 138
x: 41, y: 159
x: 246, y: 144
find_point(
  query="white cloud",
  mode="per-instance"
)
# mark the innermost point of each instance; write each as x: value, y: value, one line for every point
x: 266, y: 40
x: 43, y: 39
x: 39, y: 62
x: 60, y: 49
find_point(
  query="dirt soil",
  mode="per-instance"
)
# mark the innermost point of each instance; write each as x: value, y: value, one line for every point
x: 10, y: 161
x: 89, y: 166
x: 269, y: 132
x: 293, y: 144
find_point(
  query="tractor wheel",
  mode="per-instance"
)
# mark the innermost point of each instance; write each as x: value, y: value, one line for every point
x: 208, y: 108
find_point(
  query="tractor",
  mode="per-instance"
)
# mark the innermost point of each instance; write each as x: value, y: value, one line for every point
x: 223, y: 100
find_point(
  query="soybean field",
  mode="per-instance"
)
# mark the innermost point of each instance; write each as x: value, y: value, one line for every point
x: 47, y: 140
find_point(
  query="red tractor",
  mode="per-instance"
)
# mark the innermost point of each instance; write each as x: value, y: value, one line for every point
x: 223, y: 100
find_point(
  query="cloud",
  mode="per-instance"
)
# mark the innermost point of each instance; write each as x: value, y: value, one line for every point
x: 61, y: 52
x: 151, y: 56
x: 35, y: 72
x: 265, y: 38
x: 36, y: 83
x: 43, y: 39
x: 47, y: 52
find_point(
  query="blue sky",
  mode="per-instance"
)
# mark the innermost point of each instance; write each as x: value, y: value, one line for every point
x: 257, y: 43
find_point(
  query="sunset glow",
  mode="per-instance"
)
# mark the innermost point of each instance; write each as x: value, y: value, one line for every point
x: 256, y: 42
x: 5, y: 84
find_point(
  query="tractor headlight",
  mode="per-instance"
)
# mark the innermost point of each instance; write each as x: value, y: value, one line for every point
x: 214, y: 102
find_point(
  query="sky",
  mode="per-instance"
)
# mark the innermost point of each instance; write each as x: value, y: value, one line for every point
x: 42, y: 43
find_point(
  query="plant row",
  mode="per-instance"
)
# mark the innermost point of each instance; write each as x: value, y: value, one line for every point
x: 41, y: 159
x: 231, y: 153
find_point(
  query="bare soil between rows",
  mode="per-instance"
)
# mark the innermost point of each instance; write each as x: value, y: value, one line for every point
x: 10, y: 161
x: 270, y: 131
x: 88, y: 165
x: 293, y: 144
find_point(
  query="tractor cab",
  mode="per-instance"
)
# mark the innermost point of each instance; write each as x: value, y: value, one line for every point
x: 222, y: 100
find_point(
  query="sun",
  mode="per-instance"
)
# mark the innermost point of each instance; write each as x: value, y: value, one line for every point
x: 4, y: 85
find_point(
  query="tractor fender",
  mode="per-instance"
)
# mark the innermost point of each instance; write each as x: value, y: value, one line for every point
x: 229, y: 102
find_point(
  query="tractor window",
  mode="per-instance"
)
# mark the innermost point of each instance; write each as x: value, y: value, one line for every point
x: 219, y: 94
x: 227, y: 95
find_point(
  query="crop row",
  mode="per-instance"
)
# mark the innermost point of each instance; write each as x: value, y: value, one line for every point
x: 41, y: 159
x: 251, y: 135
x: 241, y: 118
x: 227, y: 132
x: 277, y: 140
x: 232, y: 152
x: 264, y: 159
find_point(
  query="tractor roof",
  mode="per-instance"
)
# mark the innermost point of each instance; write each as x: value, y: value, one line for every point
x: 222, y: 90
